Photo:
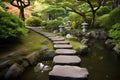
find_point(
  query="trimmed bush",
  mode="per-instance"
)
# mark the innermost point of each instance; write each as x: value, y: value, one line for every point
x: 103, y: 10
x: 115, y: 15
x: 53, y: 24
x: 11, y: 26
x: 33, y: 21
x: 115, y: 31
x: 104, y: 21
x: 75, y: 19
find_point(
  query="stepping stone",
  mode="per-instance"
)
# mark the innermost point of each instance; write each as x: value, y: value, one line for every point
x: 67, y: 60
x: 57, y: 39
x: 65, y: 51
x: 60, y: 42
x: 68, y: 73
x: 63, y: 46
x: 53, y: 37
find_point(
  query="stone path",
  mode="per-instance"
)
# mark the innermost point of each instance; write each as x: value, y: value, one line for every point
x: 66, y: 63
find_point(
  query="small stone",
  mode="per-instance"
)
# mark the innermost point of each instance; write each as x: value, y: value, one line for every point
x: 33, y: 57
x: 43, y: 48
x: 14, y: 71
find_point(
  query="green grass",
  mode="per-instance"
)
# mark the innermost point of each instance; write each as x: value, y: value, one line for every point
x: 26, y: 45
x: 75, y: 43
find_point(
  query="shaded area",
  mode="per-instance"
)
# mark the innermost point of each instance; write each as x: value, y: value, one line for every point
x: 101, y: 63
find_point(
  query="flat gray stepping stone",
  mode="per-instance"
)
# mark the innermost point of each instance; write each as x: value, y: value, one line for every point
x: 65, y: 51
x: 60, y: 42
x: 53, y: 37
x: 57, y: 39
x: 66, y: 60
x: 68, y: 73
x: 62, y: 46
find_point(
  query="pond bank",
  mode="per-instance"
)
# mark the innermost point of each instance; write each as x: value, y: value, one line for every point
x: 101, y: 62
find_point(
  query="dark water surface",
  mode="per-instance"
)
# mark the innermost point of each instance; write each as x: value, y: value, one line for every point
x: 101, y: 63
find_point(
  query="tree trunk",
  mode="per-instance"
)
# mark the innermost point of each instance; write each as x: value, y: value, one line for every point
x: 21, y: 14
x: 93, y: 20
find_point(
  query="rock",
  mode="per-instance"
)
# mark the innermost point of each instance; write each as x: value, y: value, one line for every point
x: 84, y: 41
x: 102, y: 34
x: 83, y: 49
x: 5, y: 64
x: 109, y: 43
x: 33, y: 57
x: 68, y: 36
x: 68, y: 73
x: 93, y: 34
x: 44, y: 41
x: 25, y: 63
x: 48, y: 56
x: 67, y: 60
x: 40, y: 67
x: 65, y: 51
x: 14, y: 71
x: 63, y: 46
x: 117, y: 48
x: 43, y: 48
x: 60, y: 42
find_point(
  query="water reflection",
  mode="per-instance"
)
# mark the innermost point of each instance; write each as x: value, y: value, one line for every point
x: 101, y: 63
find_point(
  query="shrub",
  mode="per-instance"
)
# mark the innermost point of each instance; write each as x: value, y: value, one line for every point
x: 115, y: 15
x: 75, y: 19
x: 53, y: 25
x: 103, y: 10
x: 11, y: 26
x: 33, y: 21
x: 1, y: 9
x: 115, y: 31
x: 103, y: 21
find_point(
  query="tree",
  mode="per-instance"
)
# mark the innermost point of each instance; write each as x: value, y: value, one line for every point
x: 81, y: 7
x: 94, y: 5
x: 21, y: 4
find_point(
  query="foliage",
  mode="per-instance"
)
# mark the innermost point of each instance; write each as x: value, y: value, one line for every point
x: 33, y: 21
x: 1, y: 9
x: 103, y: 21
x: 115, y: 15
x: 53, y: 25
x: 75, y: 19
x: 115, y: 31
x: 11, y: 26
x: 103, y: 10
x: 54, y: 12
x: 108, y: 20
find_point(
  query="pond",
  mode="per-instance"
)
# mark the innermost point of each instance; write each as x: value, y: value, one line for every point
x: 101, y: 63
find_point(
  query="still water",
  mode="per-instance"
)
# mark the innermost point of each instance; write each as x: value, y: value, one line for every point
x: 101, y: 63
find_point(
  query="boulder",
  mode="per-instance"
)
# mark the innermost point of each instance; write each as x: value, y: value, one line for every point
x: 48, y: 56
x: 102, y: 34
x: 83, y: 49
x: 33, y: 57
x: 109, y: 43
x: 68, y: 73
x: 5, y: 64
x: 14, y: 71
